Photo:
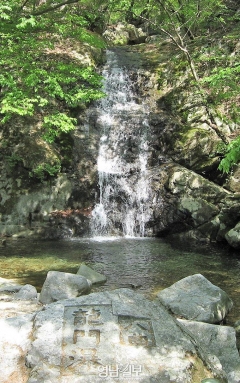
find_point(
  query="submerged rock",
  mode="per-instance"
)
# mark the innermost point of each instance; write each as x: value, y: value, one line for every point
x: 59, y: 285
x: 196, y: 298
x: 91, y: 275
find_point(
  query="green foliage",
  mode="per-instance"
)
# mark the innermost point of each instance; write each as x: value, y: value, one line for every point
x: 45, y: 68
x: 127, y: 10
x: 38, y: 77
x: 44, y: 170
x: 227, y: 76
x: 224, y: 83
x: 32, y: 72
x: 190, y: 17
x: 56, y: 124
x: 26, y: 22
x: 232, y: 157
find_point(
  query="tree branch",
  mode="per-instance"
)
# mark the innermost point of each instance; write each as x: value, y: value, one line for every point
x: 19, y: 10
x: 54, y: 7
x: 179, y: 42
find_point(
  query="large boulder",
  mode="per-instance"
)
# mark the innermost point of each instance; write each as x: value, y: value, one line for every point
x: 210, y: 337
x: 114, y: 335
x: 18, y: 307
x: 59, y: 285
x: 196, y: 298
x: 192, y: 145
x: 182, y: 181
x: 188, y: 206
x: 123, y: 34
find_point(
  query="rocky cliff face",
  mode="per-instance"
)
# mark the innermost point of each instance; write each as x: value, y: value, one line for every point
x: 189, y: 197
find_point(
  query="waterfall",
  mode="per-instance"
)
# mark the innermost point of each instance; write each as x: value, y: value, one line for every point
x: 123, y: 155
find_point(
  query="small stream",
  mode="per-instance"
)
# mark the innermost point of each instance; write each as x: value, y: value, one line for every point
x: 150, y: 264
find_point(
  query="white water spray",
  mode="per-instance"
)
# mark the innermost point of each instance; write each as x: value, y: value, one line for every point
x: 123, y: 157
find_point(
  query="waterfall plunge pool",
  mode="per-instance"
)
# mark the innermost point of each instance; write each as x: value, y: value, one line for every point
x: 149, y: 264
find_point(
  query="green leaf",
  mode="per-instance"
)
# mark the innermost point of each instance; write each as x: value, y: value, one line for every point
x: 232, y: 157
x: 26, y: 22
x: 57, y: 123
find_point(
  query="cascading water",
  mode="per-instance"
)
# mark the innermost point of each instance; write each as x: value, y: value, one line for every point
x: 123, y: 156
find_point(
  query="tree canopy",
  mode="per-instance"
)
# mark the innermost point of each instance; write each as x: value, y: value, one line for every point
x: 35, y: 74
x: 34, y: 70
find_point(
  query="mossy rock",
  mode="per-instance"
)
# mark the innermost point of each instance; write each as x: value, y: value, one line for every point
x: 197, y: 148
x: 38, y: 157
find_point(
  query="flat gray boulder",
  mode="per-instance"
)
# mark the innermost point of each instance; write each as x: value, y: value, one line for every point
x: 113, y: 336
x: 211, y: 338
x: 196, y: 298
x: 59, y: 285
x: 91, y: 275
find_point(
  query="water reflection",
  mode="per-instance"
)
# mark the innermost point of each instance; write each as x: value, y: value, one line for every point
x: 148, y: 264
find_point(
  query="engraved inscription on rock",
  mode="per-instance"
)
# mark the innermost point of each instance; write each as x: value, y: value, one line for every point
x: 137, y: 332
x: 113, y: 336
x: 84, y: 330
x: 93, y: 338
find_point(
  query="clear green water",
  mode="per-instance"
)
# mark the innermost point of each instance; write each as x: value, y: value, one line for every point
x: 151, y: 264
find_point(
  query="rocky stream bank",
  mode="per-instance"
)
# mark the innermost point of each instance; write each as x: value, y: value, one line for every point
x: 63, y: 335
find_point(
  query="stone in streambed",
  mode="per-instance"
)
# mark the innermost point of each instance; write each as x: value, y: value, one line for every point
x: 91, y: 275
x: 59, y: 285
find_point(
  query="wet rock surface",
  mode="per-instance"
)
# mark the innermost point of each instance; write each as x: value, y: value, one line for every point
x: 233, y: 236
